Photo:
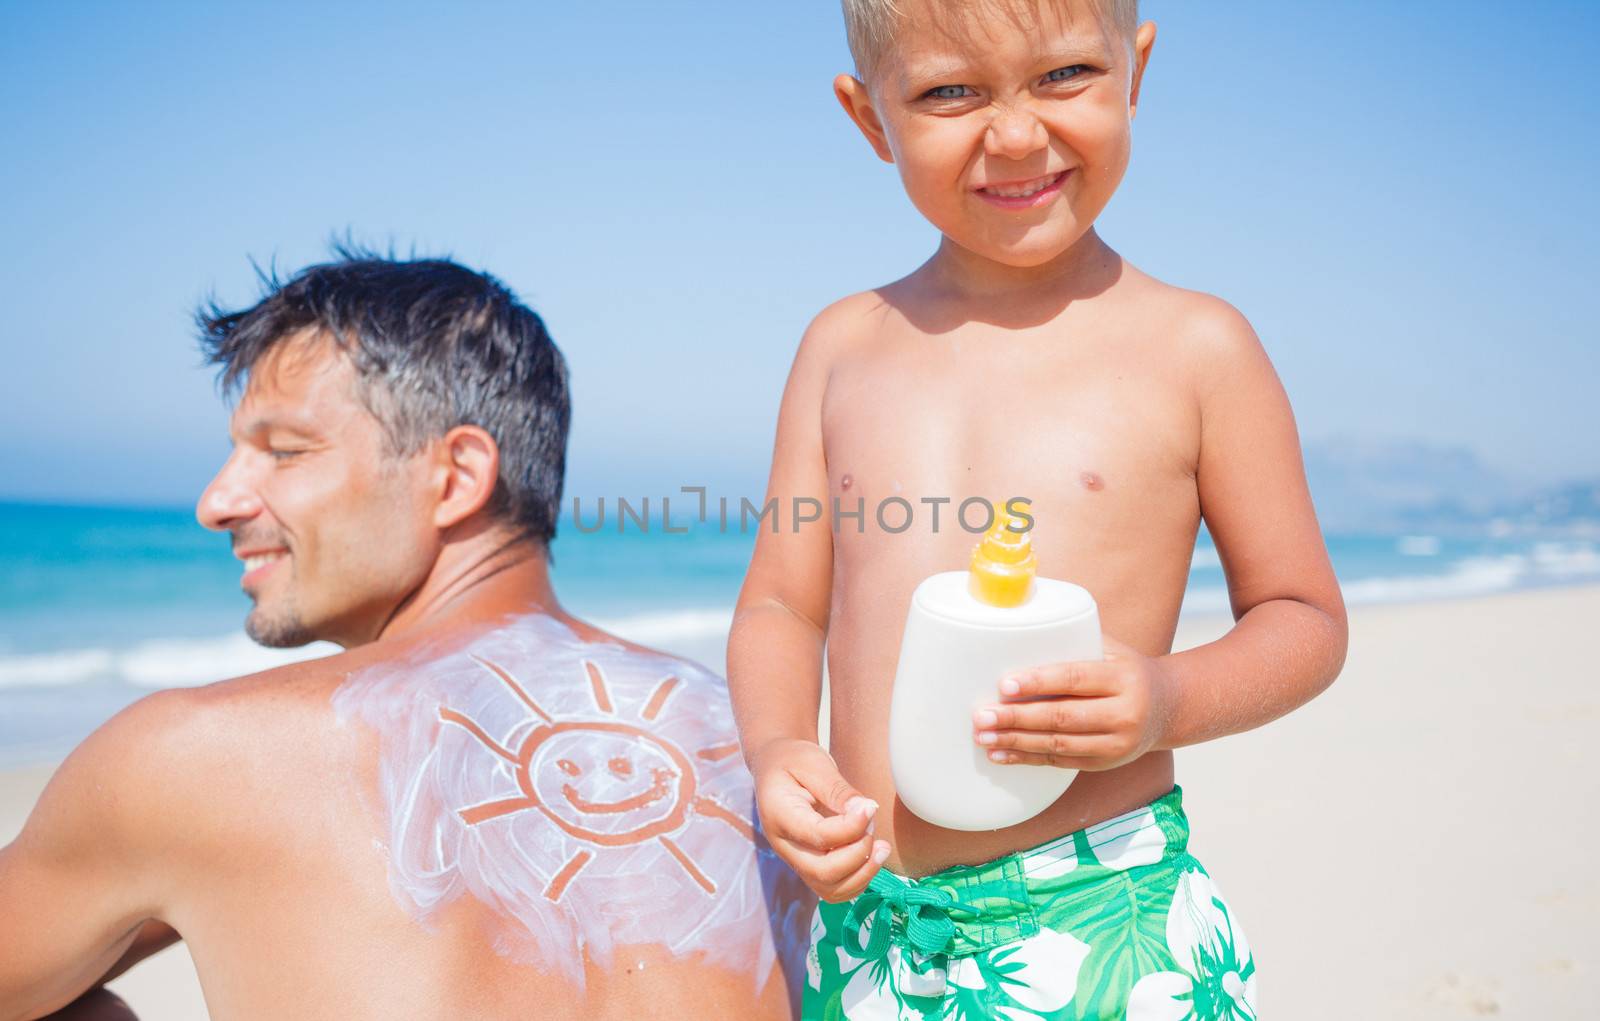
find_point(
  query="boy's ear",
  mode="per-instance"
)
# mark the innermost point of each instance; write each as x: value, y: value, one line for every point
x: 857, y: 102
x: 465, y: 469
x: 1144, y: 40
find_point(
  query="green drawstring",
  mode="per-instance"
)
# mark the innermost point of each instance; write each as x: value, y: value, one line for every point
x: 928, y: 925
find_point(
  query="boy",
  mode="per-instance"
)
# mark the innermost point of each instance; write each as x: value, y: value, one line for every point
x: 1027, y: 359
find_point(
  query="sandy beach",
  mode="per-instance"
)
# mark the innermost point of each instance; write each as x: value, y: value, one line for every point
x: 1412, y: 845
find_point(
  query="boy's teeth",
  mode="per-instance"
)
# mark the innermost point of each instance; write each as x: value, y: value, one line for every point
x: 1018, y: 191
x: 261, y: 560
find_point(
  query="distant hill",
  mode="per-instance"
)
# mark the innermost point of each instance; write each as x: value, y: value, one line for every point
x: 1366, y: 485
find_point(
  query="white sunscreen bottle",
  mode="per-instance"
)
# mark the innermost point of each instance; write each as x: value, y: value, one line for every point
x: 966, y: 630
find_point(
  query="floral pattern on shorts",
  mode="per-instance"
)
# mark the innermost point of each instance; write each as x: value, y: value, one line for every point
x: 1114, y: 921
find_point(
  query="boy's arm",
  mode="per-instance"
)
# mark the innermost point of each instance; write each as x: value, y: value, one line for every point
x: 1290, y: 635
x: 80, y: 885
x: 775, y: 652
x: 1289, y: 639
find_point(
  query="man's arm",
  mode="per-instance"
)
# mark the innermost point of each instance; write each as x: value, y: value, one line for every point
x: 95, y: 1005
x: 153, y: 937
x: 81, y: 884
x: 99, y: 1003
x: 775, y: 652
x: 1289, y: 637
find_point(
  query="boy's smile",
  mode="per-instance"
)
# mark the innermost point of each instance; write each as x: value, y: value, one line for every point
x: 1010, y: 134
x: 1023, y: 194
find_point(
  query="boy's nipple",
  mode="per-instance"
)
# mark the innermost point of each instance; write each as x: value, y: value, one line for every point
x: 1003, y: 564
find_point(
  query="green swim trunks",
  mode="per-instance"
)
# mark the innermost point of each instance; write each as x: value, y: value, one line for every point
x: 1114, y: 921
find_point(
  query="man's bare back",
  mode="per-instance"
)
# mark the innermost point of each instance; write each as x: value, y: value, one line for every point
x: 484, y: 808
x: 318, y: 847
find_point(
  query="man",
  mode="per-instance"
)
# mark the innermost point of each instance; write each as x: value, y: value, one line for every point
x: 484, y: 807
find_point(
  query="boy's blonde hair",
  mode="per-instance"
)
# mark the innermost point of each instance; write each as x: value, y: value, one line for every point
x: 869, y: 24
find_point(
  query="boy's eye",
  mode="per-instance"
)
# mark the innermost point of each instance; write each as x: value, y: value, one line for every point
x: 949, y: 92
x: 280, y: 454
x: 1063, y: 74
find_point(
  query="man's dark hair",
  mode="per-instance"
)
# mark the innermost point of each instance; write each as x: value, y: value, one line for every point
x: 434, y: 345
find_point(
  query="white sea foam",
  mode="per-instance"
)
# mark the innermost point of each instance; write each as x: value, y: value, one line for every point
x: 697, y: 632
x: 671, y: 626
x: 1471, y: 576
x: 1418, y: 545
x: 187, y: 662
x: 50, y: 669
x: 175, y: 663
x: 1546, y: 563
x: 161, y: 663
x: 1566, y: 559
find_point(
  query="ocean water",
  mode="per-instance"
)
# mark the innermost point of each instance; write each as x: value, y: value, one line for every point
x: 99, y: 606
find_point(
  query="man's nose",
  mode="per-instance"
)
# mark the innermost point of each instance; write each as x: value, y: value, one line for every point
x: 229, y: 499
x: 1014, y: 133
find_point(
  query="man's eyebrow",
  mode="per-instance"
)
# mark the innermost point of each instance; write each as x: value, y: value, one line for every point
x: 271, y: 424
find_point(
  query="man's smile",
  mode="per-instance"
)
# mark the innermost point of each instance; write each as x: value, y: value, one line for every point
x: 258, y: 563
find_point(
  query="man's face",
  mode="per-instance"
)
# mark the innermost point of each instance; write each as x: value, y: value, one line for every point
x: 1010, y: 136
x: 333, y: 528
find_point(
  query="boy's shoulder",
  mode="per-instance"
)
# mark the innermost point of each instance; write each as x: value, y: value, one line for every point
x: 1198, y: 323
x: 832, y: 333
x: 848, y: 318
x: 1185, y: 313
x: 1200, y: 332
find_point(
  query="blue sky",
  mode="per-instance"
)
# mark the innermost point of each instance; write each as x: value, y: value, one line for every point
x: 1399, y: 196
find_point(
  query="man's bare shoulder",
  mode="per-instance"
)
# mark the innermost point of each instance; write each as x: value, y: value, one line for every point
x: 169, y: 747
x: 178, y: 767
x: 206, y: 724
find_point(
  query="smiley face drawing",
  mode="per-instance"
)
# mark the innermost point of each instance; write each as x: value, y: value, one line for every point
x: 604, y: 780
x: 577, y: 797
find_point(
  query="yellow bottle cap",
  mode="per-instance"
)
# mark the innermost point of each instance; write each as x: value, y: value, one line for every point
x: 1003, y: 564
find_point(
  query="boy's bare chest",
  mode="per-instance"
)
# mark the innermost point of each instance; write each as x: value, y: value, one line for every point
x: 1100, y: 427
x: 1103, y: 442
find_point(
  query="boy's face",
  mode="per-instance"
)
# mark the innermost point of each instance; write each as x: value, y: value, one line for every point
x: 1010, y: 133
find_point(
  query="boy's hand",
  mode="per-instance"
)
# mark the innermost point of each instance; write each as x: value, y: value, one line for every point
x: 834, y: 854
x: 1082, y: 715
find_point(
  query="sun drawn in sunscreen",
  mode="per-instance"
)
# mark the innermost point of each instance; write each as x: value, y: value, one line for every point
x: 587, y: 795
x: 553, y: 760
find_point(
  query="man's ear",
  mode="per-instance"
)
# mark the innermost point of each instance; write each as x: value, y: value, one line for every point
x: 466, y: 466
x: 1144, y: 41
x: 857, y: 102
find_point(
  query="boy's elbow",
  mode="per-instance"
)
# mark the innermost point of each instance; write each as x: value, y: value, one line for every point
x: 1334, y: 641
x: 773, y: 605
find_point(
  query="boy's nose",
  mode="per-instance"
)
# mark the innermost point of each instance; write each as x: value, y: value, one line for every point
x: 1014, y: 134
x: 228, y: 499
